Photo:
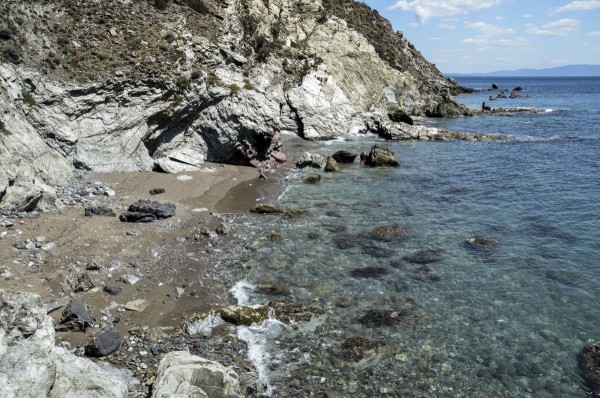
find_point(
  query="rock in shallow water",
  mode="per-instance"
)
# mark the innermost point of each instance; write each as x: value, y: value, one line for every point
x: 344, y: 156
x: 588, y: 361
x: 380, y: 156
x: 424, y: 257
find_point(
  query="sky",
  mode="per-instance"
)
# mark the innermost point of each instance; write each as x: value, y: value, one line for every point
x: 470, y: 36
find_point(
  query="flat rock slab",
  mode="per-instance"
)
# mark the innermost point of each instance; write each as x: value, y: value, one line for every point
x: 138, y: 305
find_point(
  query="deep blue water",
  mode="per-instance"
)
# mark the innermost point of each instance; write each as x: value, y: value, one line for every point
x: 505, y: 323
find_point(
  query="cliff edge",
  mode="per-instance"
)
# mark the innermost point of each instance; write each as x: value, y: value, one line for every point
x: 122, y: 85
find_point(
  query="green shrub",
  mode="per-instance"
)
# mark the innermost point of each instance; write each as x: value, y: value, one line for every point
x: 28, y: 98
x: 248, y: 85
x: 234, y: 89
x: 183, y: 83
x: 212, y: 79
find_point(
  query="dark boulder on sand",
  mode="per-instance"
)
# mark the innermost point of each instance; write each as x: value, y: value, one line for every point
x: 103, y: 343
x: 148, y: 211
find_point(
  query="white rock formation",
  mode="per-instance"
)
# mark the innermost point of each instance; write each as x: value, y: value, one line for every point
x: 32, y: 366
x: 183, y: 375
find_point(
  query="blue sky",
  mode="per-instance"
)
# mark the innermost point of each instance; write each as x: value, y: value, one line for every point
x: 463, y: 36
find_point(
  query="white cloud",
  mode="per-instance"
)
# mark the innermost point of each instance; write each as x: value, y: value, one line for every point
x: 436, y: 38
x: 425, y: 9
x: 488, y: 29
x: 526, y: 16
x: 446, y: 26
x: 484, y: 41
x: 562, y: 27
x: 594, y: 33
x: 577, y: 6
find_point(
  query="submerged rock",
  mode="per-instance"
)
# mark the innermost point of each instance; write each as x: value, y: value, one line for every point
x: 266, y: 209
x: 368, y: 272
x: 427, y: 274
x: 588, y: 360
x: 424, y: 257
x: 355, y: 348
x: 480, y: 244
x: 389, y: 233
x: 379, y: 318
x: 376, y: 251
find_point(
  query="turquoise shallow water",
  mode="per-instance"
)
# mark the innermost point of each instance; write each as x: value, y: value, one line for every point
x: 504, y: 323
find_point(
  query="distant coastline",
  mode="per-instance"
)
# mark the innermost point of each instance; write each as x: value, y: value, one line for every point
x: 561, y: 71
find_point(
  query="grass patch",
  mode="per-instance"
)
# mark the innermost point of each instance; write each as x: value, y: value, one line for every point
x: 234, y: 88
x: 28, y: 98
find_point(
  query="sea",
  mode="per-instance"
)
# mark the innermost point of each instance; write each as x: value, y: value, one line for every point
x: 429, y: 315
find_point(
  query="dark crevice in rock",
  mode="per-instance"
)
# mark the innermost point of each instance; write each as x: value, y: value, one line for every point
x: 297, y: 119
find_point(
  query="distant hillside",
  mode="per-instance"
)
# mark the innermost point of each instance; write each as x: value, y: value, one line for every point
x: 561, y: 71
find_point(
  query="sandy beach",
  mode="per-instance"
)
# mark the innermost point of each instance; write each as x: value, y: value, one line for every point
x: 164, y: 255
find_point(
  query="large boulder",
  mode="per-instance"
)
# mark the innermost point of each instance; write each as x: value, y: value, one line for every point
x: 32, y: 366
x: 380, y: 156
x: 344, y: 156
x: 183, y: 375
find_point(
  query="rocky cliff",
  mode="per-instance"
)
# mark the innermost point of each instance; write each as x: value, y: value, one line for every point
x: 123, y: 85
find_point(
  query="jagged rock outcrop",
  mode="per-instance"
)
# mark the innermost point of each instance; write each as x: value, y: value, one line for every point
x: 181, y: 374
x: 32, y: 366
x: 137, y: 86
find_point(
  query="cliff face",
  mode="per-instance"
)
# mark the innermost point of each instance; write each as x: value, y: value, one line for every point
x: 123, y: 85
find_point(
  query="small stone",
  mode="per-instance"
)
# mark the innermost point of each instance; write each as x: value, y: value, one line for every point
x: 50, y: 246
x: 130, y: 279
x: 109, y: 193
x: 223, y: 229
x: 112, y: 290
x: 157, y: 191
x: 313, y: 179
x: 138, y: 305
